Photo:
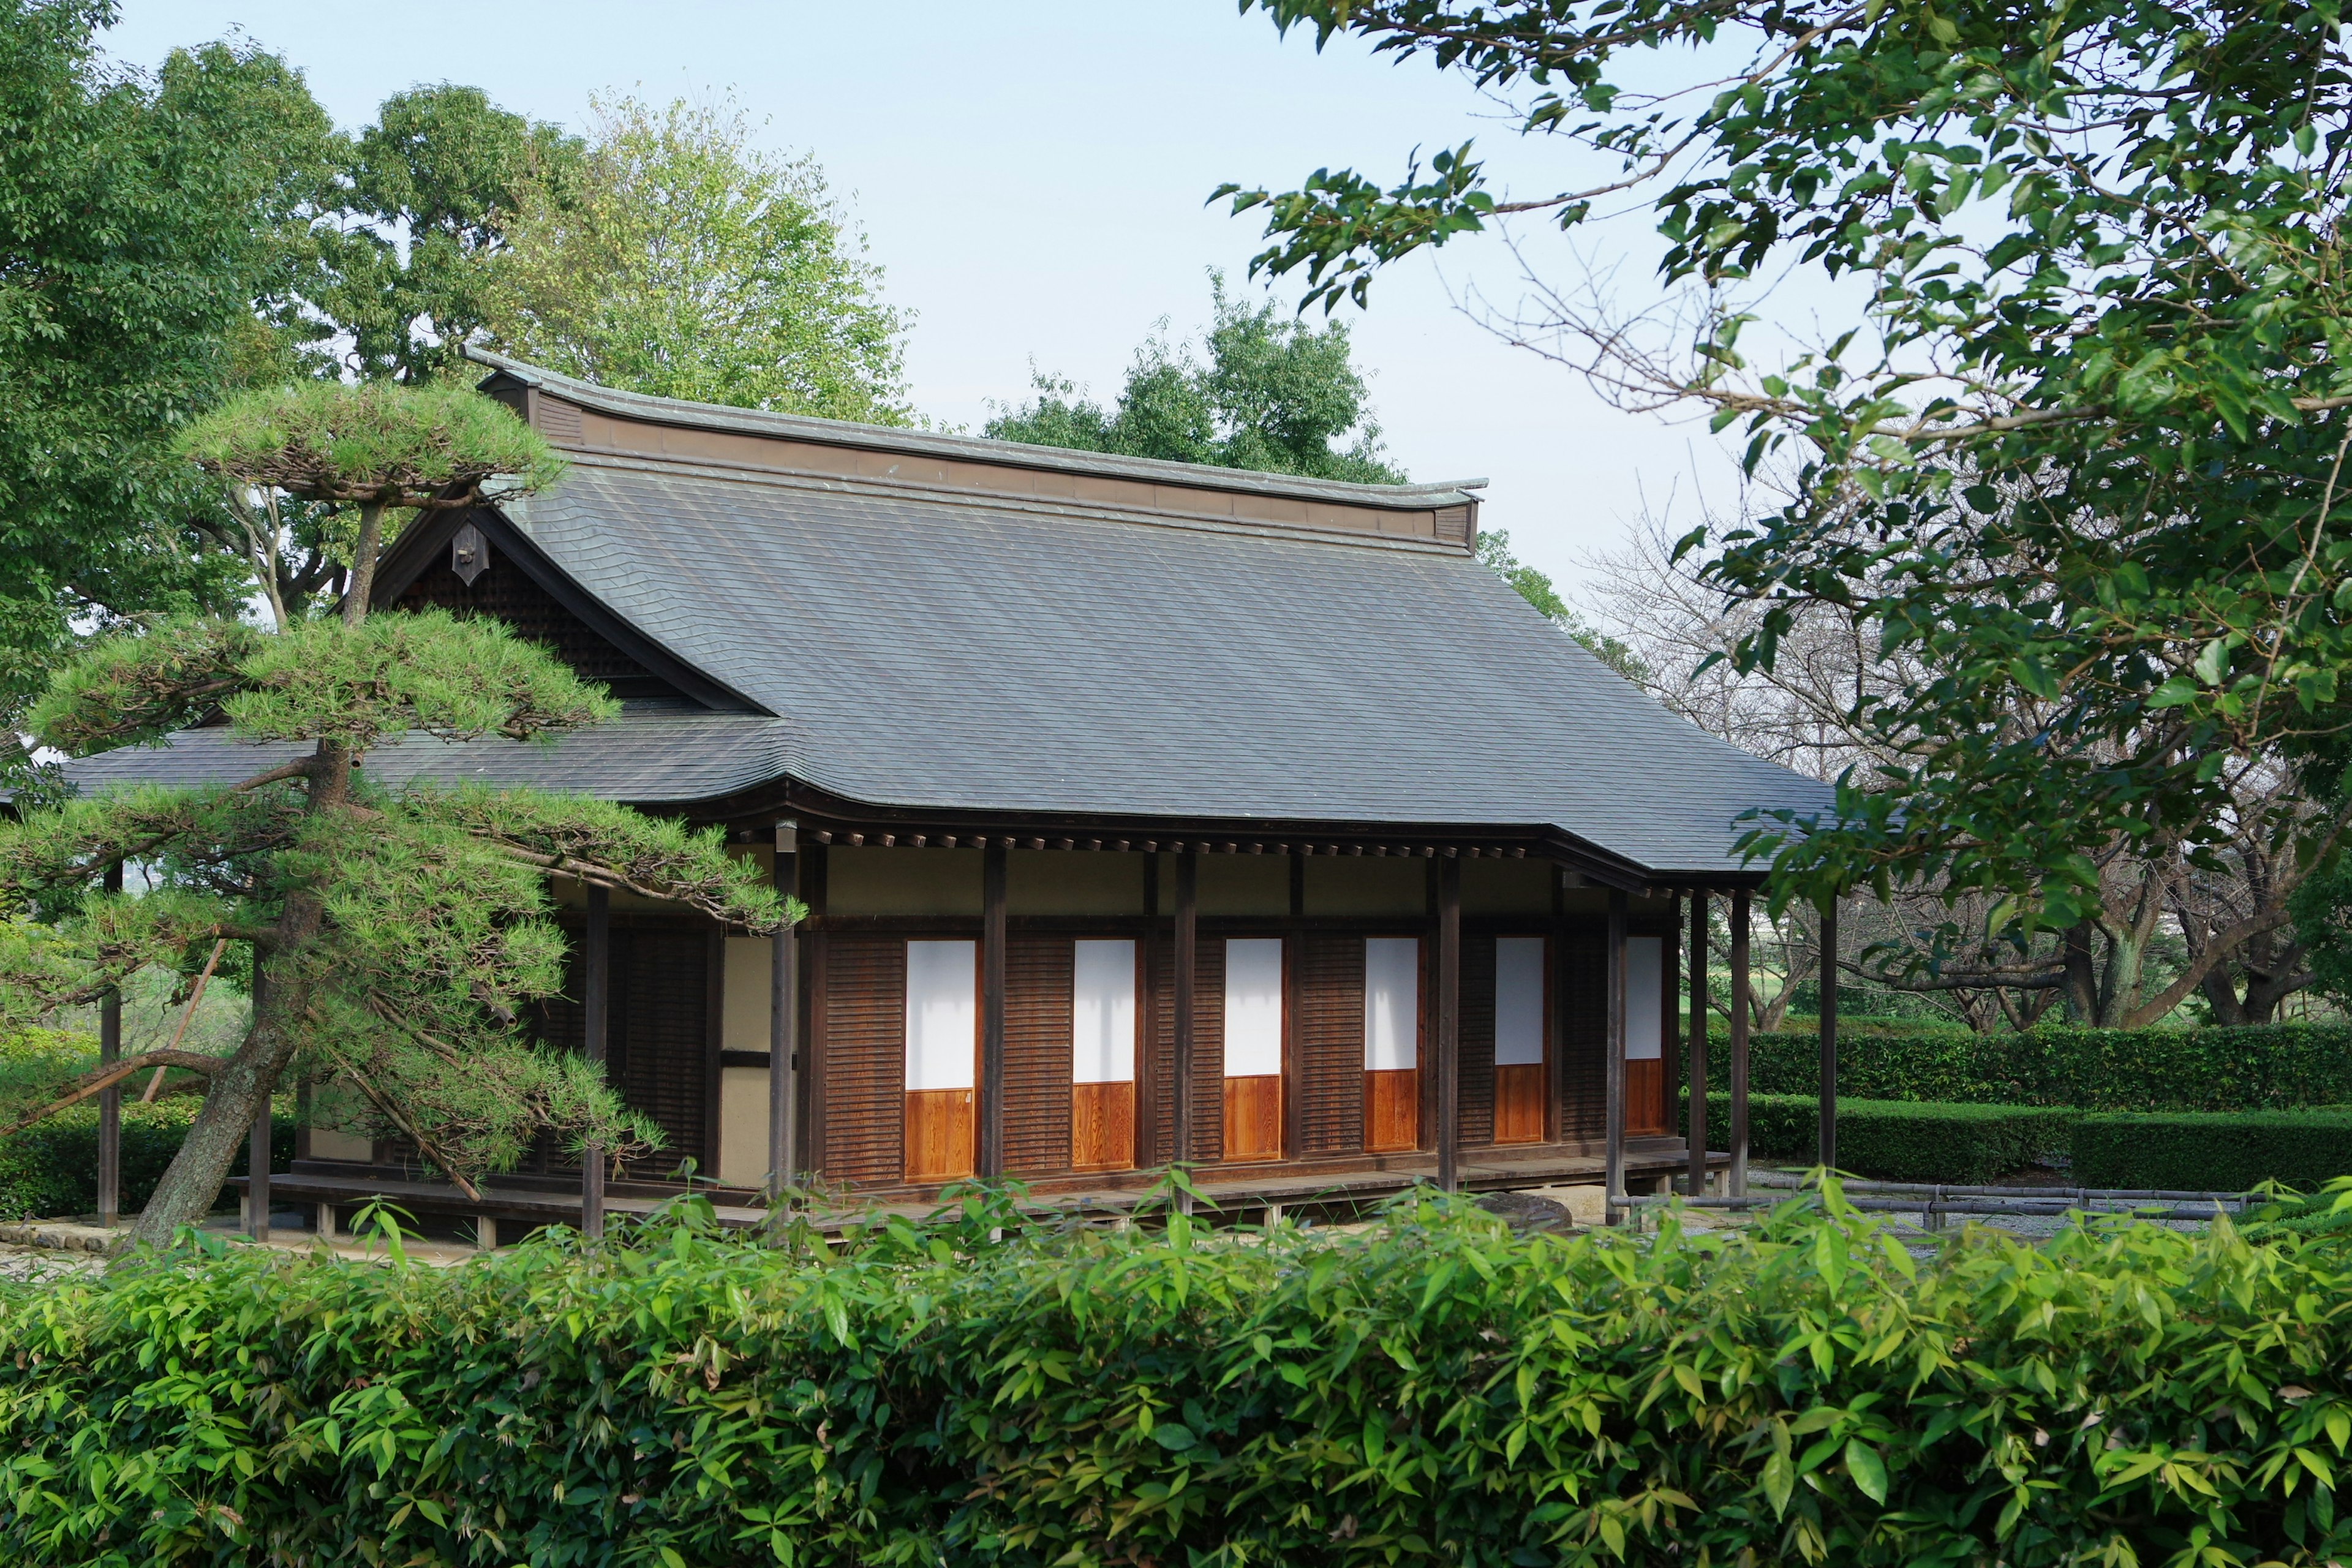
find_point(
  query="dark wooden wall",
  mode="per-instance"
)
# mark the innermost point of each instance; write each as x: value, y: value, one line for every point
x: 866, y: 1057
x: 505, y: 593
x: 659, y: 1043
x: 1037, y: 1005
x: 1476, y: 1050
x: 1328, y: 1065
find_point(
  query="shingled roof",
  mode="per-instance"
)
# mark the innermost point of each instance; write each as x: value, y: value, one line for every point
x: 938, y: 623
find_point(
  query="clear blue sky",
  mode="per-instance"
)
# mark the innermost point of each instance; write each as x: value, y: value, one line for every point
x: 1032, y: 177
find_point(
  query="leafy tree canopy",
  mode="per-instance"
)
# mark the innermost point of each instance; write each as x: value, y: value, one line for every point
x: 679, y: 259
x: 2082, y: 458
x: 1275, y: 397
x: 140, y: 219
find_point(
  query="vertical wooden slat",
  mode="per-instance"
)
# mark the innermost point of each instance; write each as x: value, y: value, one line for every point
x: 1614, y: 1157
x: 1449, y: 1024
x: 864, y: 1057
x: 1331, y: 1044
x: 109, y: 1099
x: 784, y: 1016
x: 991, y: 1161
x: 1185, y: 983
x: 1038, y: 999
x: 1740, y: 1042
x: 1828, y: 1135
x: 714, y: 1040
x: 1205, y: 1094
x: 659, y: 1048
x: 1151, y: 1050
x: 595, y: 1017
x: 1477, y: 1046
x: 814, y: 1010
x: 1696, y: 1178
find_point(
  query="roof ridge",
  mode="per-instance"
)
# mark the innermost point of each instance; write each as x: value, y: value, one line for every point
x: 977, y: 448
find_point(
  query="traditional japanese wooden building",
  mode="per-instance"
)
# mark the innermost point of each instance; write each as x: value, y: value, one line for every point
x: 1145, y: 811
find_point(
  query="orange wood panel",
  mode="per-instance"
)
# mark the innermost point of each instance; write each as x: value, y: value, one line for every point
x: 1392, y: 1109
x: 1254, y: 1118
x: 1102, y: 1126
x: 1519, y: 1103
x: 940, y: 1130
x: 1645, y: 1096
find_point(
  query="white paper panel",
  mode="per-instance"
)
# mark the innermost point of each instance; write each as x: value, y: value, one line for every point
x: 1392, y: 1003
x: 1518, y: 1001
x: 1252, y: 1007
x: 942, y: 1013
x: 1645, y: 1003
x: 1102, y: 1013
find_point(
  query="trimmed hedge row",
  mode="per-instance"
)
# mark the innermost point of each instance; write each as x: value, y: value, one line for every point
x: 1430, y: 1389
x: 1900, y: 1141
x: 2274, y: 1066
x: 2203, y: 1152
x: 50, y: 1170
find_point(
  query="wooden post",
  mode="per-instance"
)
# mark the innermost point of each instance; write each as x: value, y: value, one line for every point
x: 1449, y: 1024
x: 1739, y: 1005
x: 256, y: 1175
x: 1188, y: 909
x: 1827, y: 1152
x: 595, y: 1006
x: 109, y: 1099
x: 783, y: 1015
x: 989, y: 1157
x: 1696, y: 1055
x: 1618, y: 984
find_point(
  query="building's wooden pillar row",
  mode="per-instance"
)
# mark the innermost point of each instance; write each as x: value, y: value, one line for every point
x: 990, y: 1160
x: 783, y: 1025
x: 1619, y: 985
x: 1697, y: 1180
x: 1449, y: 1024
x: 1739, y: 1004
x: 596, y: 1007
x: 1185, y: 981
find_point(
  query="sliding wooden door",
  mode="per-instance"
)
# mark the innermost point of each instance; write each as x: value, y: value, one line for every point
x: 1392, y: 1042
x: 1647, y: 1006
x: 1102, y: 1056
x: 1522, y: 1005
x: 942, y: 1058
x: 1254, y: 1028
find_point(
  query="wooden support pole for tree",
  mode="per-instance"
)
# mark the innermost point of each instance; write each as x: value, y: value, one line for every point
x: 1618, y: 984
x: 1449, y: 1024
x: 1827, y: 1152
x: 1188, y: 909
x: 1739, y: 1005
x: 1696, y: 1053
x: 783, y: 1021
x: 990, y: 1160
x: 109, y: 1099
x: 596, y: 1006
x: 256, y: 1174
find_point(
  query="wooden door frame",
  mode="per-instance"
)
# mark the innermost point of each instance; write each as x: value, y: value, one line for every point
x: 1547, y: 932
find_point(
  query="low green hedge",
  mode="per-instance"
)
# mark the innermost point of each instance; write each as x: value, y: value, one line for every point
x: 1899, y: 1140
x: 50, y: 1170
x: 2201, y: 1153
x: 1429, y: 1390
x: 2275, y: 1066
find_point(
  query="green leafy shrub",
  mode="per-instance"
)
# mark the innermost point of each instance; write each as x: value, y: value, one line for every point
x: 50, y: 1169
x: 2274, y: 1066
x: 1430, y: 1389
x: 2203, y: 1152
x: 1898, y: 1141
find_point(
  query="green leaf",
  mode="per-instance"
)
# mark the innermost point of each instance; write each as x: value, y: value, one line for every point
x: 1867, y: 1470
x: 1173, y: 1435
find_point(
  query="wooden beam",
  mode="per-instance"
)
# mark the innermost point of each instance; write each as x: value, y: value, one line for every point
x: 1449, y: 1024
x: 1828, y: 1150
x: 597, y: 993
x: 989, y: 1158
x: 109, y: 1099
x: 1696, y: 1055
x: 1188, y: 909
x: 256, y: 1175
x: 1739, y: 1042
x: 1618, y: 985
x: 783, y: 1021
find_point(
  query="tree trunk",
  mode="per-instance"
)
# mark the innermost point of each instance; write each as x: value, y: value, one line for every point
x: 355, y: 597
x: 2082, y: 976
x: 219, y: 1133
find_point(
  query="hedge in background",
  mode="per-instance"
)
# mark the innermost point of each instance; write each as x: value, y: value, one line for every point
x: 49, y: 1171
x: 1430, y: 1390
x: 2306, y: 1149
x: 1899, y: 1140
x: 2274, y: 1066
